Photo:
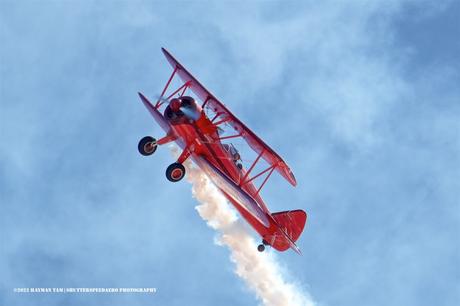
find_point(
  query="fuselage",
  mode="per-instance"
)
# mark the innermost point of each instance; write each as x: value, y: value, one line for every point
x: 200, y: 138
x: 216, y: 161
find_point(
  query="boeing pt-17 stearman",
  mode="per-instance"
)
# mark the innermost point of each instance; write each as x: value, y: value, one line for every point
x: 198, y: 130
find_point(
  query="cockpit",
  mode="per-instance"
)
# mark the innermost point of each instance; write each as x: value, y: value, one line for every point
x: 233, y: 152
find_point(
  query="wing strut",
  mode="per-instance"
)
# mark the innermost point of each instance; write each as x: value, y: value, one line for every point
x: 222, y: 121
x: 266, y: 179
x: 252, y: 166
x: 183, y: 87
x: 159, y: 102
x: 270, y: 170
x: 231, y: 136
x: 215, y: 117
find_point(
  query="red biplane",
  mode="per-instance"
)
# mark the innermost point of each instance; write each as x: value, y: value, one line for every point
x: 197, y: 129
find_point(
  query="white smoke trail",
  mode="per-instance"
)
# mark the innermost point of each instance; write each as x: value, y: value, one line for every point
x: 260, y: 271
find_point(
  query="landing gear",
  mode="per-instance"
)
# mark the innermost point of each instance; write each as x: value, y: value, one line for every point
x: 147, y: 146
x: 261, y: 248
x: 175, y: 172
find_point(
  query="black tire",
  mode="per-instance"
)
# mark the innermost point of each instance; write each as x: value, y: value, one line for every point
x: 147, y: 145
x: 175, y: 172
x: 261, y: 248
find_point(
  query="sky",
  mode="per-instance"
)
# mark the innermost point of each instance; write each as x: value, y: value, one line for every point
x: 361, y: 98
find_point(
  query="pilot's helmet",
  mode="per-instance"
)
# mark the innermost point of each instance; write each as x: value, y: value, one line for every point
x: 187, y: 101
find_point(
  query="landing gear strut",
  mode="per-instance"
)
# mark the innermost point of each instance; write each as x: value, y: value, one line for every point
x: 176, y: 171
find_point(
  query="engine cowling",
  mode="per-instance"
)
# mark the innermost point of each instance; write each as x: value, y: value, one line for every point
x: 183, y: 110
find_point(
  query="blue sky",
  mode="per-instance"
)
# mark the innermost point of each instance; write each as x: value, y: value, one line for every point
x: 361, y: 98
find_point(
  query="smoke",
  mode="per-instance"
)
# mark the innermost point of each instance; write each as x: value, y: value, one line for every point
x: 260, y: 271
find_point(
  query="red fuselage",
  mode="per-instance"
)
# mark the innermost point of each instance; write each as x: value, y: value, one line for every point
x: 211, y: 156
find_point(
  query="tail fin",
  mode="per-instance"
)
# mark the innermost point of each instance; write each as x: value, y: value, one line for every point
x: 290, y: 226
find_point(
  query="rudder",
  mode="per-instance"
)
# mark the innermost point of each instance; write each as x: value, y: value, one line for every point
x: 291, y: 223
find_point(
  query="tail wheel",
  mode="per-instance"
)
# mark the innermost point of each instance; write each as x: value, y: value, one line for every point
x: 175, y: 172
x: 147, y: 146
x: 261, y: 248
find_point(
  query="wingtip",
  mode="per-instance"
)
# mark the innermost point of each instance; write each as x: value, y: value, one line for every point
x: 297, y: 249
x: 144, y: 98
x: 292, y: 180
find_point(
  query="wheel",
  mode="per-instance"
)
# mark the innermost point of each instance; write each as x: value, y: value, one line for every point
x: 147, y: 146
x: 260, y: 247
x: 175, y: 172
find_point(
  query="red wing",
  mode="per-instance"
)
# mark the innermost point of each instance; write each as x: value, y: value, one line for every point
x: 256, y: 144
x: 155, y: 114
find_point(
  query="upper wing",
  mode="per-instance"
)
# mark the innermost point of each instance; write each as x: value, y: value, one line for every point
x: 257, y: 144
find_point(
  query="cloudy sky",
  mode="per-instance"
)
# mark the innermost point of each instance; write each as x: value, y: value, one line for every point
x: 361, y: 98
